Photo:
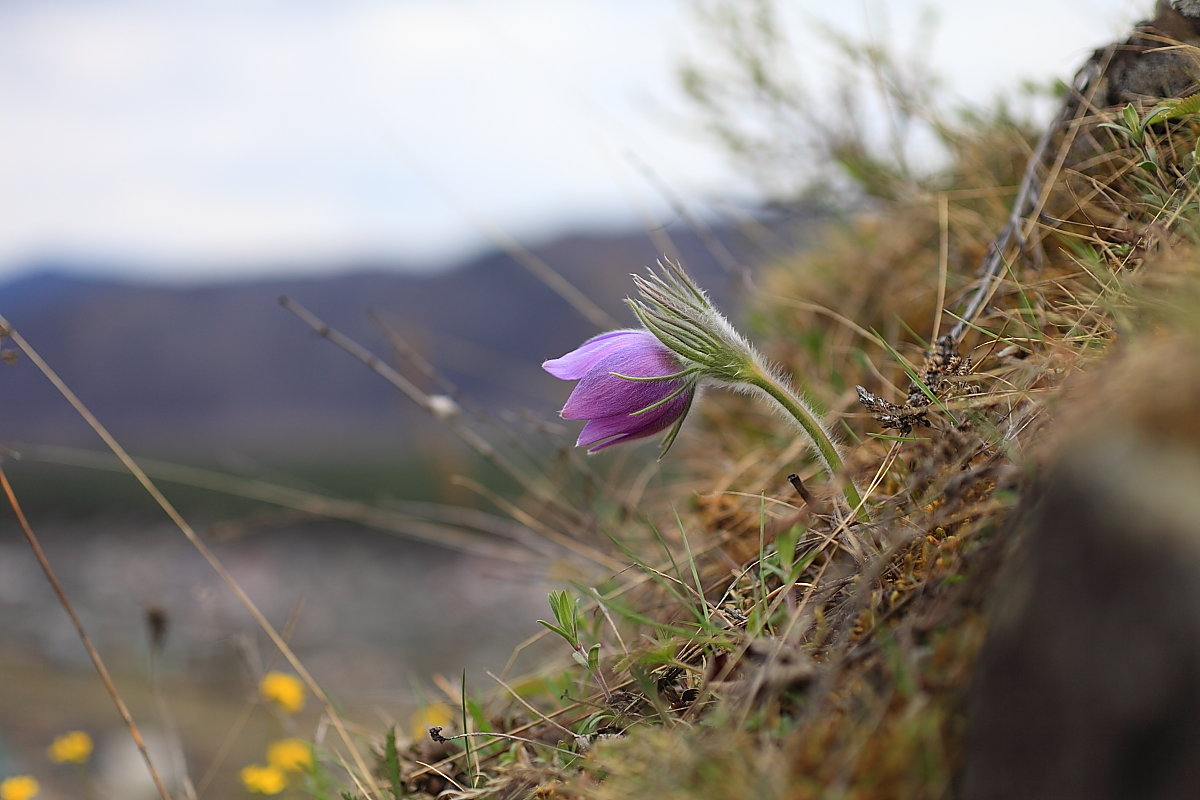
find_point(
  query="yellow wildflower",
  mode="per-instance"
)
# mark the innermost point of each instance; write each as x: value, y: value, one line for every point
x: 19, y: 787
x: 284, y: 689
x: 263, y: 780
x: 426, y: 717
x: 74, y: 747
x: 290, y: 755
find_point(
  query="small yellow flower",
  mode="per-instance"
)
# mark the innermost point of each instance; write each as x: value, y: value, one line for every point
x: 426, y: 717
x: 74, y: 747
x: 19, y: 787
x: 284, y: 689
x: 290, y: 755
x: 263, y: 780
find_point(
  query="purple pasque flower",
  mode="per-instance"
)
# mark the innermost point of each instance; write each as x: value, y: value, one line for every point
x: 630, y: 386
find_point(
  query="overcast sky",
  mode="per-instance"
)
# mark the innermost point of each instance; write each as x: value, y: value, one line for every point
x: 195, y: 139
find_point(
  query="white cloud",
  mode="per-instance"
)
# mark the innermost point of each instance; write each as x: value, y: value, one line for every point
x: 196, y: 134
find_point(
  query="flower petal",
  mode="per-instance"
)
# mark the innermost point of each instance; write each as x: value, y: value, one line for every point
x: 604, y: 432
x: 575, y: 364
x: 601, y: 393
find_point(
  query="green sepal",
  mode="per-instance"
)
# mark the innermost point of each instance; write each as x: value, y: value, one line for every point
x: 669, y: 439
x: 650, y: 379
x: 662, y: 402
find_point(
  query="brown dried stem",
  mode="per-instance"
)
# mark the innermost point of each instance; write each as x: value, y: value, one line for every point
x: 169, y: 509
x: 97, y: 661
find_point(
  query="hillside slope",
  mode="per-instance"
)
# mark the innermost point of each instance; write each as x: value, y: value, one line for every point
x: 221, y: 367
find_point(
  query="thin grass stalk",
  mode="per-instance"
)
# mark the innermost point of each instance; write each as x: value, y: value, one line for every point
x: 470, y: 437
x: 93, y: 654
x: 190, y: 534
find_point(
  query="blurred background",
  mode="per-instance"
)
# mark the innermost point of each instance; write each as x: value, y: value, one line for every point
x: 411, y: 171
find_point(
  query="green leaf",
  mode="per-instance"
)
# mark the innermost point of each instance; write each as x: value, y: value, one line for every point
x: 1130, y: 116
x: 669, y: 439
x: 1158, y: 112
x: 391, y: 765
x: 1135, y: 136
x: 1173, y: 110
x: 593, y: 658
x: 557, y: 630
x: 471, y: 764
x: 566, y: 612
x: 477, y: 715
x: 785, y: 547
x: 1188, y: 105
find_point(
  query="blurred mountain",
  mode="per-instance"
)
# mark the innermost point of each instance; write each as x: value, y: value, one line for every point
x: 221, y: 368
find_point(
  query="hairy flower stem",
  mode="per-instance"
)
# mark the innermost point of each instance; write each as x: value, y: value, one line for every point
x: 764, y: 381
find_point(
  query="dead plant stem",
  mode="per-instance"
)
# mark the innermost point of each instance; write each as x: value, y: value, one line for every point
x: 194, y: 538
x: 469, y: 436
x: 97, y: 661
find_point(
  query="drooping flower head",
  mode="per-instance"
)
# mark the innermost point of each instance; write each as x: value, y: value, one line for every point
x: 681, y: 316
x: 634, y: 383
x: 630, y: 386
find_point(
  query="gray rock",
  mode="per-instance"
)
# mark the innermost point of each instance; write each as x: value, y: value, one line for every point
x: 1189, y: 8
x: 1089, y: 683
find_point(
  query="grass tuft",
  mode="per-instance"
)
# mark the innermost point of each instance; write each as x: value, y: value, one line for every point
x: 757, y: 647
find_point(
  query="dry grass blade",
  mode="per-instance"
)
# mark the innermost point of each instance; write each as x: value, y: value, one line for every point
x: 451, y: 532
x: 169, y: 509
x: 469, y: 436
x: 1035, y: 189
x: 93, y: 654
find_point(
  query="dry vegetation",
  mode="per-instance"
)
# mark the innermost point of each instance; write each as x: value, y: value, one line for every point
x: 752, y: 643
x: 761, y: 648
